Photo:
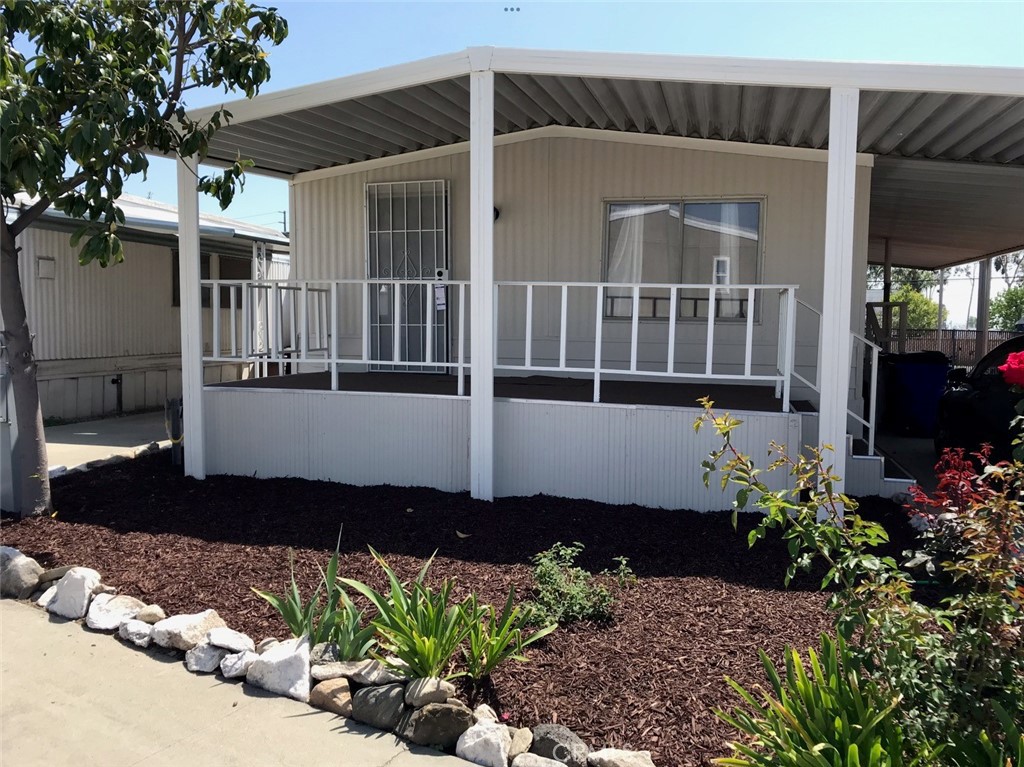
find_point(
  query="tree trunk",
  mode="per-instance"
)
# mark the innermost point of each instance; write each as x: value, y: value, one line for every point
x: 29, y: 464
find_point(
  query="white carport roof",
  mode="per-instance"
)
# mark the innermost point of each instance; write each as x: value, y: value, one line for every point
x: 948, y: 185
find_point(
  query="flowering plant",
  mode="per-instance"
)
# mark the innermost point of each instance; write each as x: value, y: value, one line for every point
x: 1013, y: 369
x: 1013, y: 375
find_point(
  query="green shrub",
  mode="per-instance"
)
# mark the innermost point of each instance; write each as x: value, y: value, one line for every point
x: 311, y: 619
x: 954, y: 666
x: 495, y: 639
x: 565, y: 593
x: 819, y: 715
x: 417, y: 624
x: 1003, y: 749
x: 354, y: 640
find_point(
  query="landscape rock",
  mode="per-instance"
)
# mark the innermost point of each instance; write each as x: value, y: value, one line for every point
x: 183, y: 632
x: 237, y: 664
x: 533, y: 760
x: 283, y: 669
x: 54, y: 574
x: 205, y: 658
x: 615, y: 757
x: 485, y: 743
x: 151, y: 614
x: 559, y: 743
x: 366, y: 672
x: 47, y: 595
x: 435, y: 724
x: 484, y: 713
x: 379, y: 707
x: 19, y: 574
x: 139, y: 633
x: 334, y: 695
x: 107, y: 613
x: 324, y: 652
x: 430, y: 689
x: 231, y: 640
x: 74, y: 592
x: 522, y: 739
x: 265, y: 645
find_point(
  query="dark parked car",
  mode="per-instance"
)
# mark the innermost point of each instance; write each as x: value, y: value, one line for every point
x: 977, y: 406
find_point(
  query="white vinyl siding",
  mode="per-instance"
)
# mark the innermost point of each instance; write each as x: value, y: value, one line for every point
x: 551, y: 194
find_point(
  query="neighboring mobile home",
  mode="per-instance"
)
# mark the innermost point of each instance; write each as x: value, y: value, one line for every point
x: 513, y: 272
x: 108, y: 340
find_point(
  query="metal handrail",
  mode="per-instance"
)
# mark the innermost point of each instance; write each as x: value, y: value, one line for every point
x: 871, y: 422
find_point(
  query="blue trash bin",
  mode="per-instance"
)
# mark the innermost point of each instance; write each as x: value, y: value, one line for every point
x: 914, y: 383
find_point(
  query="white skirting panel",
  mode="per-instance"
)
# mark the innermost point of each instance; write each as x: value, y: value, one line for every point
x: 611, y: 453
x: 360, y: 439
x: 623, y: 453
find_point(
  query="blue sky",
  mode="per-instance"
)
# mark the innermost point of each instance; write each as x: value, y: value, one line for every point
x: 333, y: 38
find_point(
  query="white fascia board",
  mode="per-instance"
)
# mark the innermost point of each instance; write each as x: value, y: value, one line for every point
x: 343, y: 88
x: 872, y: 76
x: 590, y: 134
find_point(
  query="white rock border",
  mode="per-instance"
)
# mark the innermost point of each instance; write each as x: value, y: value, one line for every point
x: 279, y: 669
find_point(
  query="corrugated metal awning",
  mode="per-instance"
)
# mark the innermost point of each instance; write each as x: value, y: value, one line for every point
x: 906, y: 113
x: 944, y: 126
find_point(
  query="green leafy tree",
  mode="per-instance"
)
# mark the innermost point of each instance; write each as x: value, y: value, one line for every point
x: 922, y: 312
x: 1011, y: 267
x: 86, y: 88
x: 917, y: 279
x: 1007, y: 309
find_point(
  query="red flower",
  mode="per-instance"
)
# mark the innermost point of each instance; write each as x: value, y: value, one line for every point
x: 1013, y: 370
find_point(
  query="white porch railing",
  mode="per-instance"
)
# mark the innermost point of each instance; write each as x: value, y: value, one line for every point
x: 302, y: 322
x: 292, y: 322
x: 675, y: 296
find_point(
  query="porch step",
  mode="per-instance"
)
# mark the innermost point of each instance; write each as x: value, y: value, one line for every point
x: 876, y: 474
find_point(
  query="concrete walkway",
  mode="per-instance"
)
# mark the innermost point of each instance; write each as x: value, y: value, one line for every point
x: 72, y: 697
x: 77, y: 444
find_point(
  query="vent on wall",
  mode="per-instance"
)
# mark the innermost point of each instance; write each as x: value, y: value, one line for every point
x: 46, y: 268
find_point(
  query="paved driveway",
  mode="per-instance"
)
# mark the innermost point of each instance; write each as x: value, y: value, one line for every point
x: 75, y: 444
x: 72, y: 697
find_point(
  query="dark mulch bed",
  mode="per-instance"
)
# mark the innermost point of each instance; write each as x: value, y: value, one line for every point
x: 703, y: 606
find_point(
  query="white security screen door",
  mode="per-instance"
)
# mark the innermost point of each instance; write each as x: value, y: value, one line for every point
x: 407, y: 240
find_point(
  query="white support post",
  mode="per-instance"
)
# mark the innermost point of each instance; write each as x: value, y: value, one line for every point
x: 836, y: 303
x: 942, y: 308
x: 481, y: 272
x: 191, y: 319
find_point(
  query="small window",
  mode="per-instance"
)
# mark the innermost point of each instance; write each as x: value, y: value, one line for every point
x: 678, y: 241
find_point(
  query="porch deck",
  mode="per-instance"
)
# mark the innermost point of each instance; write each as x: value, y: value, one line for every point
x: 556, y: 388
